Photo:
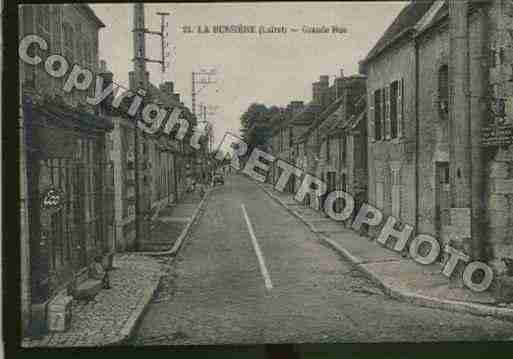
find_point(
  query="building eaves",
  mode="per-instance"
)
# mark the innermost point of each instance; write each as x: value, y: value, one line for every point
x: 306, y: 115
x: 92, y: 15
x: 402, y: 25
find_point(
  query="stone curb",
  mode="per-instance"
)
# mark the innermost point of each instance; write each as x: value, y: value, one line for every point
x: 409, y: 297
x: 183, y: 234
x: 128, y: 329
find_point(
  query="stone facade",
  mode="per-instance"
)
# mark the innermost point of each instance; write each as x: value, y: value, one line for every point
x: 64, y: 152
x: 391, y: 161
x: 436, y: 174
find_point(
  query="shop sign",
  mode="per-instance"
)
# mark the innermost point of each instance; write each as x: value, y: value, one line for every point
x: 52, y: 199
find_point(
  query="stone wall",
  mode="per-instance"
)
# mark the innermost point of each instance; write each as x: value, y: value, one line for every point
x: 499, y: 168
x: 396, y: 154
x: 433, y: 123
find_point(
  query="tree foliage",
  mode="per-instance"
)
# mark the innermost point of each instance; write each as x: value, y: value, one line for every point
x: 256, y: 124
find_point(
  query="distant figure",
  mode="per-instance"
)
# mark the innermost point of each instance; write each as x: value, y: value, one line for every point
x: 99, y: 272
x: 201, y: 189
x: 191, y: 184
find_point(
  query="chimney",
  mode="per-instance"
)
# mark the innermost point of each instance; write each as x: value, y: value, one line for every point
x: 342, y: 73
x: 324, y: 80
x: 316, y: 93
x: 296, y: 106
x: 108, y: 77
x: 103, y: 66
x: 324, y: 86
x: 168, y: 88
x: 105, y: 73
x: 339, y: 87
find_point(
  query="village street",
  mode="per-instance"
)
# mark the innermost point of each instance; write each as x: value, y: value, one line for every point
x: 250, y: 272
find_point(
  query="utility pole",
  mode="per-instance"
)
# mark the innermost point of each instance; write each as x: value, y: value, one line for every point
x: 202, y: 77
x: 139, y: 80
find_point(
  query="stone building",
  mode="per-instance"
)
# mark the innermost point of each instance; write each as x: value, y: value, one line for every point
x: 289, y: 138
x: 161, y: 164
x: 67, y: 180
x: 283, y: 133
x: 437, y: 91
x: 334, y: 143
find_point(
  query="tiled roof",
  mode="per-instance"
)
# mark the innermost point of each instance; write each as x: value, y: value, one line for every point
x: 90, y: 12
x: 405, y: 21
x: 328, y: 118
x: 62, y: 115
x: 308, y: 113
x: 351, y: 121
x: 279, y: 120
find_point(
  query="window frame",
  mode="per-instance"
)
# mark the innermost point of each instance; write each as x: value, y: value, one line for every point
x: 378, y: 114
x: 394, y: 109
x: 443, y: 92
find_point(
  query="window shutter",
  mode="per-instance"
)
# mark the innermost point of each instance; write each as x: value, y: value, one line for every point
x: 383, y: 113
x: 387, y: 113
x: 400, y: 94
x: 371, y: 120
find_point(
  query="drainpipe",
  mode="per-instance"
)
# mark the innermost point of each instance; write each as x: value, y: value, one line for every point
x: 462, y: 148
x: 417, y: 132
x: 478, y: 102
x: 175, y: 177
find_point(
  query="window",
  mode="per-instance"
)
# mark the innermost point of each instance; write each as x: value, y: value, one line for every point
x: 68, y: 41
x: 377, y: 115
x: 327, y: 149
x: 88, y: 58
x: 28, y: 23
x: 344, y: 149
x: 291, y: 137
x: 57, y: 32
x: 385, y: 123
x: 342, y: 153
x: 446, y: 175
x: 493, y: 55
x: 43, y: 18
x: 394, y: 92
x: 443, y: 91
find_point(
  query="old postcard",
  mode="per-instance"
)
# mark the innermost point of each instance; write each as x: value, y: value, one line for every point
x: 265, y: 173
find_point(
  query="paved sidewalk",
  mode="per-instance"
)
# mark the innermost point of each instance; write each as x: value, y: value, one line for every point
x: 111, y: 317
x: 400, y: 277
x: 172, y: 223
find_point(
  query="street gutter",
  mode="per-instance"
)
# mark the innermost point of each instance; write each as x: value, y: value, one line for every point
x: 391, y: 291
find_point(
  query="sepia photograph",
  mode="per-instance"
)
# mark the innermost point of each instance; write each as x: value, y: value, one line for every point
x: 259, y: 173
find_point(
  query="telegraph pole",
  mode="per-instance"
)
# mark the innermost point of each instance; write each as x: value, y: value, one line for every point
x: 200, y: 78
x: 204, y: 78
x: 139, y: 79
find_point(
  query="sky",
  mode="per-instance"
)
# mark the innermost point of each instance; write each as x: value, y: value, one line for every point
x: 272, y: 69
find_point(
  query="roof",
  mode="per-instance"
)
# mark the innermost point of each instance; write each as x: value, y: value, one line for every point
x: 403, y: 23
x: 170, y: 103
x: 326, y: 119
x: 90, y: 12
x: 279, y: 120
x: 61, y: 115
x: 351, y: 123
x: 307, y: 114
